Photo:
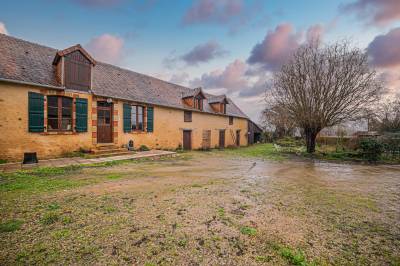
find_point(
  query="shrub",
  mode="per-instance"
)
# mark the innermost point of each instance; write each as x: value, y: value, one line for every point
x: 143, y: 148
x: 371, y: 148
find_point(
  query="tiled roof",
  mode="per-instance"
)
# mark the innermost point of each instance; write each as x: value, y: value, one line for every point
x: 29, y: 62
x: 217, y: 99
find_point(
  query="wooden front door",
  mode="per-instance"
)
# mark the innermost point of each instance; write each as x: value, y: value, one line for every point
x: 222, y: 138
x: 238, y: 138
x: 187, y: 139
x: 104, y: 122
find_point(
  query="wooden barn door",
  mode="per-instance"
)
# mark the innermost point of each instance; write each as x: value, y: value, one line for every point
x: 206, y: 144
x: 104, y: 122
x: 187, y: 139
x: 238, y: 138
x: 222, y: 138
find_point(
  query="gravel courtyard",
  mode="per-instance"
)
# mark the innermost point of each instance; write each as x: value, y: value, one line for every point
x: 202, y: 208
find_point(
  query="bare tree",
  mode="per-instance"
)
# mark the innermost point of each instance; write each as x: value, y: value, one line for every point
x: 387, y: 118
x: 276, y: 119
x: 322, y: 86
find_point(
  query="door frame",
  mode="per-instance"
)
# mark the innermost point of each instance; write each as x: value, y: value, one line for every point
x: 190, y: 139
x: 111, y: 108
x: 220, y: 139
x: 238, y: 138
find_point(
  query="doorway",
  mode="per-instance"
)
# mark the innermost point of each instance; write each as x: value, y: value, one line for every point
x: 238, y: 138
x: 104, y: 122
x: 187, y: 139
x: 222, y: 138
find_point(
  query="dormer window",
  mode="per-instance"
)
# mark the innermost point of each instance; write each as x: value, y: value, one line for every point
x: 218, y: 103
x: 74, y: 68
x: 194, y: 98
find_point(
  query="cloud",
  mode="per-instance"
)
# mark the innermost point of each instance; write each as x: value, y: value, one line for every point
x: 107, y: 48
x: 377, y: 12
x: 180, y: 78
x: 232, y: 77
x: 98, y: 3
x: 203, y: 53
x: 211, y: 11
x: 384, y: 50
x: 278, y: 45
x: 3, y: 28
x: 276, y: 48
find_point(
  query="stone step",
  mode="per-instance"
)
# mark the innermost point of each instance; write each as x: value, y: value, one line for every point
x: 110, y: 150
x: 126, y: 152
x: 106, y: 146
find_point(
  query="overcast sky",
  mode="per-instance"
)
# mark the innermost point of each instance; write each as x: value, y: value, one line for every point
x: 225, y: 46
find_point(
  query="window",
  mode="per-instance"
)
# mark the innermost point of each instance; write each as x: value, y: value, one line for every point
x: 187, y: 116
x: 198, y: 103
x: 59, y: 113
x: 231, y: 120
x: 77, y: 71
x: 137, y: 117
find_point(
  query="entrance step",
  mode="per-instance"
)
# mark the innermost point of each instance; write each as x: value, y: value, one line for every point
x: 109, y: 154
x: 109, y: 150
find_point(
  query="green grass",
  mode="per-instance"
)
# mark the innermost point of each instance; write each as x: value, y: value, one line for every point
x: 49, y: 218
x: 10, y: 226
x: 3, y: 161
x: 114, y: 176
x: 265, y: 151
x: 294, y: 257
x: 250, y: 231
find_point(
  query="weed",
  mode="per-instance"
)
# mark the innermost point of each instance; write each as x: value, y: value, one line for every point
x: 10, y: 226
x: 49, y: 218
x: 263, y: 258
x: 143, y: 148
x: 196, y: 185
x: 182, y: 242
x: 3, y: 161
x: 66, y: 220
x: 114, y: 176
x: 221, y: 212
x: 53, y: 206
x: 295, y: 257
x: 246, y: 230
x: 59, y: 234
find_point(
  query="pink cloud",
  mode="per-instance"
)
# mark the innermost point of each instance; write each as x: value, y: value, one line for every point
x: 107, y: 48
x: 3, y: 28
x: 206, y: 11
x: 276, y: 47
x: 378, y: 12
x: 203, y: 53
x: 384, y: 50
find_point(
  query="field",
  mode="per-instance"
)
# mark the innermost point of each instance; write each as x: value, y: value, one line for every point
x: 247, y: 206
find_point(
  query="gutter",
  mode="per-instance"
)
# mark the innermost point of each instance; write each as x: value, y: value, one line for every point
x: 31, y: 84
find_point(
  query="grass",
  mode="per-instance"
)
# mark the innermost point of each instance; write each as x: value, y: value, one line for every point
x: 10, y: 226
x: 264, y: 151
x: 49, y: 218
x: 250, y: 231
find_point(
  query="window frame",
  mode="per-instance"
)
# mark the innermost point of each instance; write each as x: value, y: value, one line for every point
x: 198, y: 103
x: 230, y: 120
x: 60, y: 109
x: 135, y: 113
x: 186, y: 115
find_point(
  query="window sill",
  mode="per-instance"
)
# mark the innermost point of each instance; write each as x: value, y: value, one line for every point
x: 138, y: 132
x: 59, y: 133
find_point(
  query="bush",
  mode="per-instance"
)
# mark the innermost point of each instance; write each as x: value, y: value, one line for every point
x: 143, y: 148
x: 371, y: 148
x: 290, y: 142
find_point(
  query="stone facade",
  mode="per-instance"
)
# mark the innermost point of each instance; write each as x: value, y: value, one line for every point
x: 15, y: 139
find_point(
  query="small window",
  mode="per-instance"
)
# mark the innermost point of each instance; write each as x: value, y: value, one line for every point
x: 137, y: 117
x: 231, y: 120
x: 187, y: 116
x: 198, y: 103
x: 59, y: 113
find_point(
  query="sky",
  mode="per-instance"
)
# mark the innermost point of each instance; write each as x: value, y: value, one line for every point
x: 230, y: 47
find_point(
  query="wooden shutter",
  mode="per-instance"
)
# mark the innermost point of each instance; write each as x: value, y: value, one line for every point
x: 36, y: 112
x: 150, y: 119
x: 127, y: 118
x: 81, y: 109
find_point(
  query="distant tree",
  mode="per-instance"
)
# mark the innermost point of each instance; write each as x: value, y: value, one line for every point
x: 276, y: 120
x: 387, y: 118
x: 324, y: 85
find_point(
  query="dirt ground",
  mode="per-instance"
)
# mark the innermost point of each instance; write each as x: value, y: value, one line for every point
x: 206, y: 209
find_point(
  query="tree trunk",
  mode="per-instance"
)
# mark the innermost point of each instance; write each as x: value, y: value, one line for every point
x: 311, y: 135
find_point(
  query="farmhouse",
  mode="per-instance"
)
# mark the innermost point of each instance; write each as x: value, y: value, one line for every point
x: 57, y: 101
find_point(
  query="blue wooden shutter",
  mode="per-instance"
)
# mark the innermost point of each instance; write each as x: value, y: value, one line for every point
x: 127, y: 118
x: 150, y: 119
x: 36, y: 112
x: 81, y: 110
